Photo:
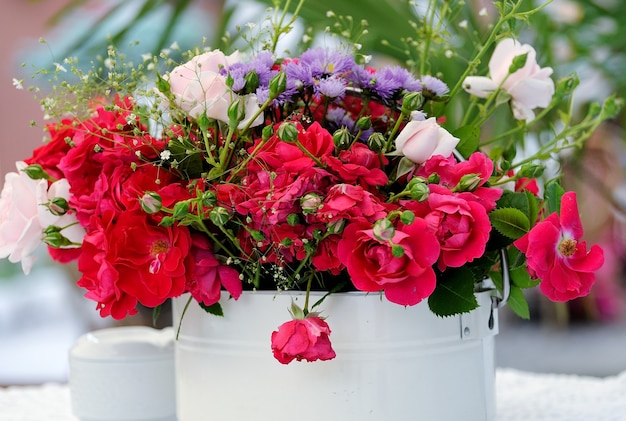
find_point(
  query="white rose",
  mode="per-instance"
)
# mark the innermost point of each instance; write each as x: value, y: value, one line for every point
x: 23, y: 218
x: 199, y: 88
x: 530, y: 87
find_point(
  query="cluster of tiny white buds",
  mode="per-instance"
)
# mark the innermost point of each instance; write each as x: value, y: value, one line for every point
x: 60, y: 67
x: 18, y: 83
x: 165, y: 155
x: 175, y: 46
x: 463, y: 24
x: 483, y: 12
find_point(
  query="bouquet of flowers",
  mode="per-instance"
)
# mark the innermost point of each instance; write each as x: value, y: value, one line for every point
x: 314, y: 172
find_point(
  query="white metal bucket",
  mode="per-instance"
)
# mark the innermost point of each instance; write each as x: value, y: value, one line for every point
x: 393, y: 362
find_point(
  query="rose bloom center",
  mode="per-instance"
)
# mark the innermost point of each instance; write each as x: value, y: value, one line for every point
x: 567, y: 247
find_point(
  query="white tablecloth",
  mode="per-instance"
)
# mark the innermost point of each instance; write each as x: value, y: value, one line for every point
x: 520, y: 396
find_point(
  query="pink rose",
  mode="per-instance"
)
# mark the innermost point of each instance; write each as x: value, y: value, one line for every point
x: 372, y: 265
x: 460, y: 223
x: 419, y: 140
x: 302, y: 339
x: 530, y: 86
x: 199, y: 88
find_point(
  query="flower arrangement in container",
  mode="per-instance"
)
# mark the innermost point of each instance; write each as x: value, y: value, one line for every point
x: 314, y: 171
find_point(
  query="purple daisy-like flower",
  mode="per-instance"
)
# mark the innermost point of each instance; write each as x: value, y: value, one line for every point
x: 433, y: 86
x: 389, y: 81
x: 322, y: 62
x: 361, y: 77
x: 331, y: 87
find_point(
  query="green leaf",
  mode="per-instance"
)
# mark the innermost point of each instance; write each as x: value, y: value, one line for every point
x: 517, y: 302
x: 214, y: 309
x: 521, y: 278
x: 510, y: 222
x: 469, y: 138
x: 552, y: 196
x: 454, y: 294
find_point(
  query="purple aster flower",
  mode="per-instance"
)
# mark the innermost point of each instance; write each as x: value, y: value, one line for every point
x: 361, y: 77
x: 322, y: 62
x: 389, y: 81
x: 434, y: 87
x: 331, y: 87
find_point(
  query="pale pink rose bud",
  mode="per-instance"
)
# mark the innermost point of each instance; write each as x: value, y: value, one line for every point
x: 419, y: 140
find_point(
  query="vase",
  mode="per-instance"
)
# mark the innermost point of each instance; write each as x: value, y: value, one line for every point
x: 392, y: 363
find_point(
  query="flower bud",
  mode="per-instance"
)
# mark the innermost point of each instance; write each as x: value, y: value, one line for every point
x: 236, y: 111
x: 364, y: 123
x: 469, y: 182
x: 531, y: 170
x: 336, y: 227
x: 252, y: 81
x: 434, y: 178
x: 219, y: 216
x: 407, y: 217
x: 310, y: 203
x: 151, y: 202
x: 518, y: 62
x: 419, y: 192
x: 288, y: 132
x: 383, y: 230
x: 397, y: 250
x: 209, y: 198
x: 412, y: 101
x: 181, y: 209
x: 342, y: 139
x: 278, y: 84
x: 36, y: 172
x: 267, y: 132
x: 376, y: 141
x: 293, y: 219
x: 167, y: 221
x: 58, y: 206
x: 56, y: 240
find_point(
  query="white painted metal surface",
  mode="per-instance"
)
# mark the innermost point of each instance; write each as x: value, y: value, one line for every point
x: 393, y: 363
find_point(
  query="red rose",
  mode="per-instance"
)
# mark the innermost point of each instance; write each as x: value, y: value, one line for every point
x: 302, y: 339
x: 372, y: 266
x: 206, y: 275
x: 128, y: 259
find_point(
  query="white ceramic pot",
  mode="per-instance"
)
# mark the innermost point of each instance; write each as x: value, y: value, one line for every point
x: 393, y: 363
x: 123, y: 374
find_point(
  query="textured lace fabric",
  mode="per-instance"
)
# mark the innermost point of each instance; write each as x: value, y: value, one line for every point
x: 521, y: 396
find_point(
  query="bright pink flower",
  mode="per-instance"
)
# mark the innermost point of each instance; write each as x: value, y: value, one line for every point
x: 372, y: 266
x: 459, y: 222
x: 451, y: 172
x: 555, y: 254
x: 302, y: 339
x: 352, y: 202
x: 206, y: 275
x: 358, y: 165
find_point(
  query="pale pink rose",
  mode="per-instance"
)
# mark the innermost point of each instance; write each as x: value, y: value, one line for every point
x: 199, y: 88
x: 419, y: 140
x: 20, y: 231
x: 23, y: 218
x: 530, y: 87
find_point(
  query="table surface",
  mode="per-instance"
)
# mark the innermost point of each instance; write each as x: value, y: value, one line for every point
x: 521, y: 396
